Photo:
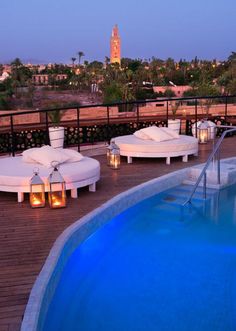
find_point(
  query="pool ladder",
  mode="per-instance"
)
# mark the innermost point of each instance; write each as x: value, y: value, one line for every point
x: 214, y: 156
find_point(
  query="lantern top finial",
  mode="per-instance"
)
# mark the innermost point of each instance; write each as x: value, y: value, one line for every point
x: 55, y: 176
x: 36, y: 180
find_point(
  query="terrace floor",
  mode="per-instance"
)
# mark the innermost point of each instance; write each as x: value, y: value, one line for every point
x: 26, y: 235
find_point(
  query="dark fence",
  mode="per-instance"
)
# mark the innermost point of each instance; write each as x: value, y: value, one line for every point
x: 129, y: 117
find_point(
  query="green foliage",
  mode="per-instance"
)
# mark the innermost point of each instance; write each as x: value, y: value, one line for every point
x: 231, y: 88
x: 2, y: 87
x: 174, y: 106
x: 112, y: 93
x: 4, y: 102
x: 232, y: 57
x: 55, y: 116
x: 207, y: 89
x: 134, y: 65
x: 224, y: 79
x: 143, y: 94
x: 95, y: 65
x: 169, y: 93
x: 190, y: 93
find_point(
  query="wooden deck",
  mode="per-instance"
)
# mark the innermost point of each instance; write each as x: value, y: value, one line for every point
x: 26, y: 235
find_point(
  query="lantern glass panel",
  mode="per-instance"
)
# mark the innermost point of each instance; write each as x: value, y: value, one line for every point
x: 37, y: 191
x: 203, y: 133
x: 109, y: 149
x: 57, y: 193
x: 115, y: 159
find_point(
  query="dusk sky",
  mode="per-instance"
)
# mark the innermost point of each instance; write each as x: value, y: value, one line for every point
x: 55, y: 30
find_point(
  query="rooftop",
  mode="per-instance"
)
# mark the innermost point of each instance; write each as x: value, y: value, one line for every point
x: 27, y: 235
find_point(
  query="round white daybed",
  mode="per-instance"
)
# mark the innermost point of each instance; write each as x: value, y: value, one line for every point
x: 15, y: 175
x: 132, y: 146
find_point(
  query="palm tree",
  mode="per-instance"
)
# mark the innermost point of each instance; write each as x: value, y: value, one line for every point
x: 107, y: 60
x: 81, y: 54
x: 20, y: 74
x: 73, y: 61
x: 232, y: 57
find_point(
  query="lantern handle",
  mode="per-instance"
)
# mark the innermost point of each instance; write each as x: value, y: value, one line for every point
x: 55, y: 165
x: 36, y: 171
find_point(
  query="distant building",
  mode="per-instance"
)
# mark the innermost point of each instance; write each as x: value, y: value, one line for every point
x: 115, y: 46
x: 178, y: 90
x: 44, y: 79
x: 4, y: 76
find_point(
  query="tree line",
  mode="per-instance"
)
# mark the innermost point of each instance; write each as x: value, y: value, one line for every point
x: 132, y: 80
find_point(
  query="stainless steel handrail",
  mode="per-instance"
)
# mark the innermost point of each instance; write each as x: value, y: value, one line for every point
x: 210, y: 158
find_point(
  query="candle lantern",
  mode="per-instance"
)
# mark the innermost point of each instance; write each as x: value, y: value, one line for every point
x: 202, y: 132
x: 109, y: 149
x: 37, y: 191
x: 57, y: 189
x: 115, y: 157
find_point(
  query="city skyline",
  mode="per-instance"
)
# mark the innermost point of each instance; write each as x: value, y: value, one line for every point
x: 57, y: 30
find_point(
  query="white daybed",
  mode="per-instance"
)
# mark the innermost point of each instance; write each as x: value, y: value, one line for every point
x: 15, y: 175
x: 131, y: 146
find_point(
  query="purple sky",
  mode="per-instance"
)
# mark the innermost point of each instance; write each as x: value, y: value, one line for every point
x: 55, y: 30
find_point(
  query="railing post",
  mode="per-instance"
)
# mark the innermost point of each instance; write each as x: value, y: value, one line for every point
x: 213, y: 146
x: 218, y: 166
x: 12, y: 137
x: 47, y: 128
x: 226, y: 106
x: 204, y: 185
x: 78, y: 127
x: 167, y: 112
x: 108, y: 115
x: 137, y: 105
x: 108, y: 123
x: 196, y: 119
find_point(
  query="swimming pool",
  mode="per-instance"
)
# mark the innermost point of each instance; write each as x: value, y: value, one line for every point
x: 153, y: 267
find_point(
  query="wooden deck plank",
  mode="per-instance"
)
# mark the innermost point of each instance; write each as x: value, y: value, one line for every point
x: 27, y: 235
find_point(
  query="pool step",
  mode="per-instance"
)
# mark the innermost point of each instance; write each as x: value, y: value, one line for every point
x: 181, y: 193
x: 227, y: 175
x: 174, y: 213
x: 173, y: 200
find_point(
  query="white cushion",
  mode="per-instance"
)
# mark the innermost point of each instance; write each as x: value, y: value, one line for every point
x: 141, y: 135
x: 46, y: 155
x: 170, y: 132
x: 26, y: 155
x: 74, y: 156
x: 156, y: 134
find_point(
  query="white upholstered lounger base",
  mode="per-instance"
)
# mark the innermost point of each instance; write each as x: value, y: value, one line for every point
x: 132, y: 146
x: 15, y: 175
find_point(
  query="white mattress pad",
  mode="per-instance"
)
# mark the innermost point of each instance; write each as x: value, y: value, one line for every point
x: 130, y: 143
x: 14, y: 172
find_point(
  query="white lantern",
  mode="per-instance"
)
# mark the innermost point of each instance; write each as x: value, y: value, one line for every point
x: 37, y: 191
x: 202, y: 132
x: 115, y: 157
x: 211, y: 129
x: 57, y: 192
x: 109, y: 149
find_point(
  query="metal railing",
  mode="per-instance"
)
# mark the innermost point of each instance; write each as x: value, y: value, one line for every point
x: 214, y: 153
x: 136, y: 116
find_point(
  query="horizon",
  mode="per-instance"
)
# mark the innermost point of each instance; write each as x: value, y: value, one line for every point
x: 56, y: 31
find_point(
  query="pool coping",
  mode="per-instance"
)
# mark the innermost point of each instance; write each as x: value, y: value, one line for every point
x: 81, y: 230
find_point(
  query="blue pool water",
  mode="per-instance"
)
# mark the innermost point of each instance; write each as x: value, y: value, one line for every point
x: 155, y: 267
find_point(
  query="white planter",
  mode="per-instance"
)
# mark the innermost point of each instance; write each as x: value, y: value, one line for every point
x: 56, y: 136
x: 211, y: 129
x: 174, y: 125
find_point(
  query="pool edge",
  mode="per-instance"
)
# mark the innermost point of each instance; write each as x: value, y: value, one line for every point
x: 105, y: 212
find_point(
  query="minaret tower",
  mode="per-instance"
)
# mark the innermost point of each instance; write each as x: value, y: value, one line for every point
x: 115, y: 45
